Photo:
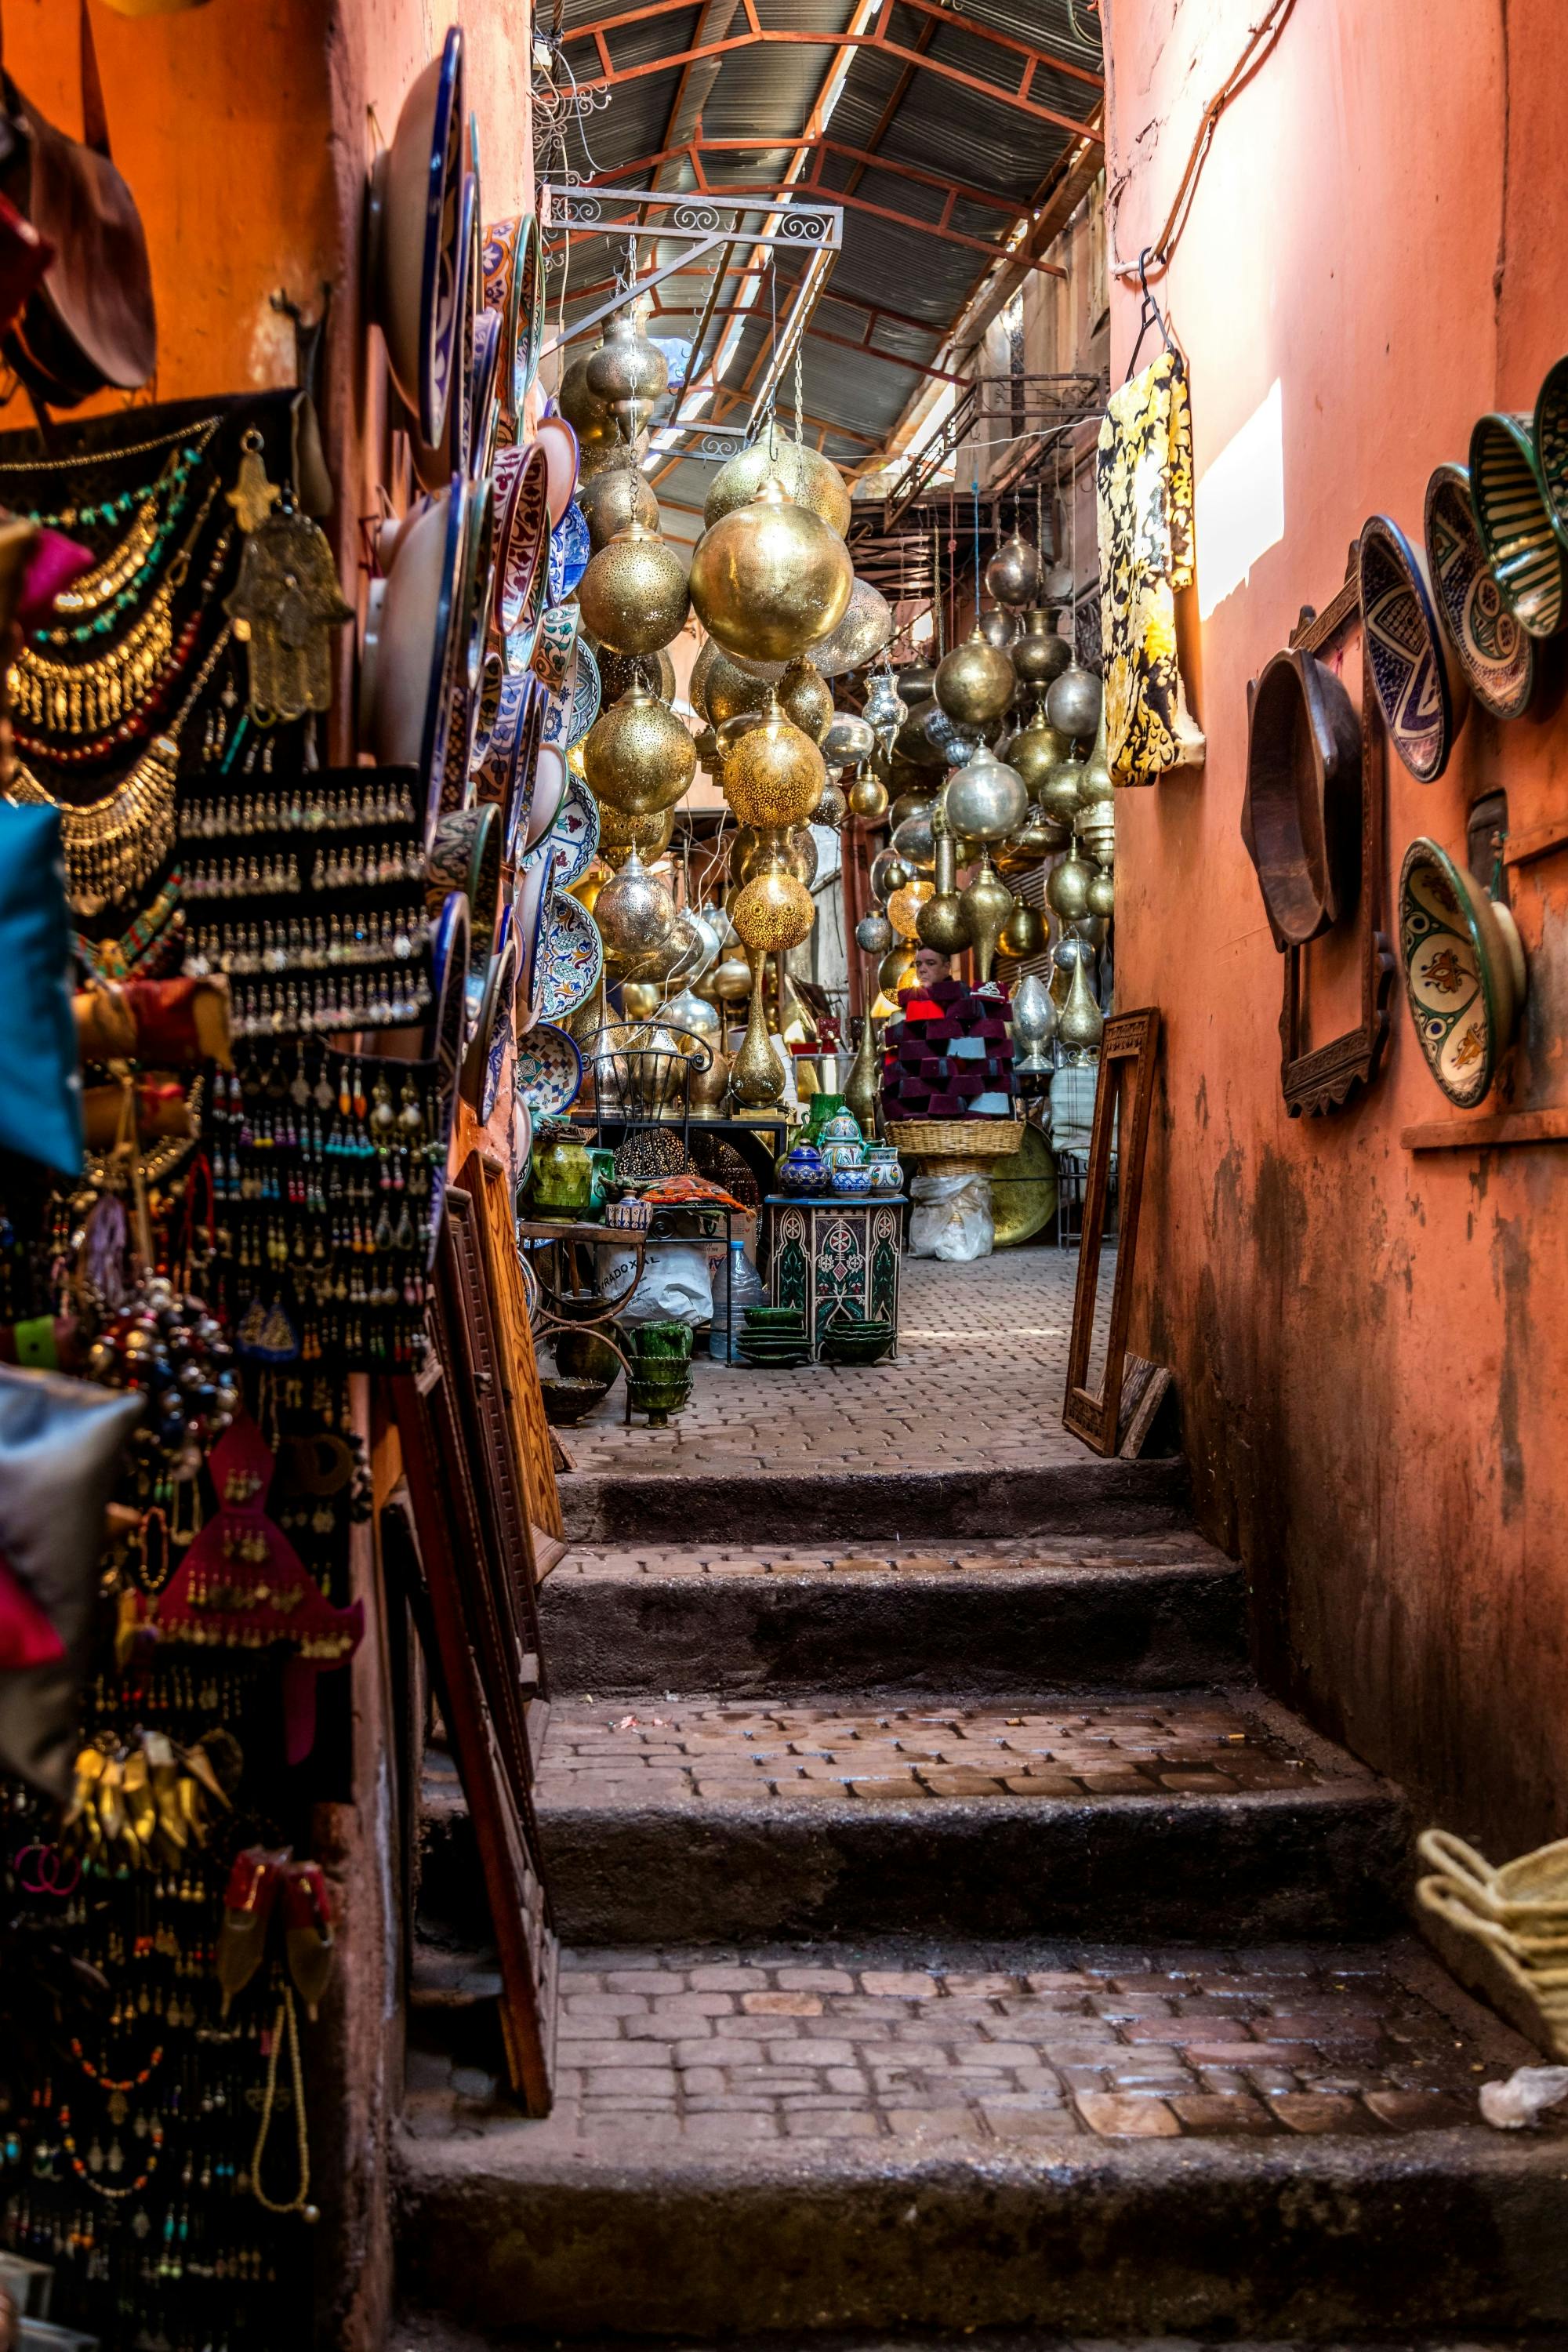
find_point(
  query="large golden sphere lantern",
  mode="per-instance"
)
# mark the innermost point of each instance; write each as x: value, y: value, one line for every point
x: 976, y: 682
x: 636, y: 756
x: 1034, y: 751
x: 806, y: 699
x: 1024, y: 933
x: 727, y: 692
x: 772, y: 911
x: 904, y: 906
x: 1012, y: 574
x: 633, y: 595
x: 808, y: 477
x: 775, y: 774
x: 769, y: 579
x: 867, y: 798
x: 612, y: 498
x: 985, y: 798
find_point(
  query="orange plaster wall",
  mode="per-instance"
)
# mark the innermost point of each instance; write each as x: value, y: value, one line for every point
x: 1372, y: 1348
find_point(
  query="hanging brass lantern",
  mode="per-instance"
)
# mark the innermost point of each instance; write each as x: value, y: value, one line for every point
x: 1038, y: 654
x: 775, y: 774
x: 584, y: 412
x: 1034, y: 751
x: 633, y: 595
x: 868, y: 799
x: 911, y: 841
x: 888, y: 873
x: 1024, y: 934
x: 975, y: 683
x: 636, y: 913
x: 596, y: 457
x: 774, y: 849
x: 636, y: 756
x: 985, y: 798
x: 1066, y: 887
x: 1080, y: 1024
x: 998, y: 627
x: 649, y: 835
x: 731, y: 979
x: 904, y: 906
x: 619, y: 671
x: 1073, y: 704
x: 771, y: 578
x: 772, y: 911
x: 896, y: 968
x: 808, y: 477
x: 728, y: 691
x: 941, y: 922
x: 874, y: 933
x: 628, y: 372
x: 832, y: 810
x: 1101, y: 894
x: 1012, y: 574
x: 847, y: 741
x: 806, y: 699
x: 1031, y: 843
x: 1097, y: 788
x: 756, y: 1074
x: 916, y: 683
x: 914, y: 800
x: 1058, y: 796
x: 612, y: 498
x: 866, y: 631
x: 988, y: 910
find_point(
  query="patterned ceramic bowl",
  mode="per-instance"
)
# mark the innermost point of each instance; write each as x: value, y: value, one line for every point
x: 1464, y: 969
x: 1420, y: 685
x: 855, y: 1183
x: 1496, y: 655
x: 1518, y: 530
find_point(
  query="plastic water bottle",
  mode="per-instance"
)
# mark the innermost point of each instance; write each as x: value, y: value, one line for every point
x: 743, y: 1288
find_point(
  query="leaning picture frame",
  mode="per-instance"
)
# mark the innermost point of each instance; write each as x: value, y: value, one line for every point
x: 1127, y: 1056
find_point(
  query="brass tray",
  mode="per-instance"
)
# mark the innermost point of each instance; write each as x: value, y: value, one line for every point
x: 1023, y: 1191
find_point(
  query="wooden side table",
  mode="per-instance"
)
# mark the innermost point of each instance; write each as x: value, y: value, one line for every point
x: 829, y: 1253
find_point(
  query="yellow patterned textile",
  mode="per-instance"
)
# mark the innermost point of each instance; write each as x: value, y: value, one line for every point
x: 1145, y: 495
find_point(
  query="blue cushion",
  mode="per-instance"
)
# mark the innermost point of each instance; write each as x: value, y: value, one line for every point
x: 40, y: 1085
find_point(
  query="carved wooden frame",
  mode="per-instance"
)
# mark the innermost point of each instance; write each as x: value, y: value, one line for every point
x: 1326, y: 1078
x: 1128, y: 1037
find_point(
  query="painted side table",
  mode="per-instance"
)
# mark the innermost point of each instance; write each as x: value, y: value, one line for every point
x: 829, y: 1253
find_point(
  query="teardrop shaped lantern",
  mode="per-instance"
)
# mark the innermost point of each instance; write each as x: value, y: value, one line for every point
x: 987, y: 907
x: 769, y: 579
x: 1080, y: 1024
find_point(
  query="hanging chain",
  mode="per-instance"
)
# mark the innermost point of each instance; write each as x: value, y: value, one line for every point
x: 799, y: 426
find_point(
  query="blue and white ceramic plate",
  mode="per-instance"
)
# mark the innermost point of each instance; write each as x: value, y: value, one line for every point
x: 569, y: 551
x: 549, y: 1070
x: 1408, y: 653
x: 586, y: 693
x: 440, y: 292
x: 574, y: 835
x: 570, y: 958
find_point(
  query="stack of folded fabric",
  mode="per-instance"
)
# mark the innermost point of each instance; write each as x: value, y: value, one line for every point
x: 949, y: 1057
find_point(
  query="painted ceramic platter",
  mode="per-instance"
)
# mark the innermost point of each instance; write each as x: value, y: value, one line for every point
x: 486, y: 1058
x: 574, y: 835
x: 551, y: 660
x: 503, y: 291
x: 570, y: 958
x: 559, y: 443
x: 1514, y: 518
x: 449, y: 651
x: 586, y: 693
x: 531, y: 901
x: 1464, y: 971
x: 549, y: 1070
x: 551, y: 778
x: 1496, y: 655
x: 1419, y: 685
x: 522, y: 538
x: 449, y: 959
x: 569, y: 553
x: 529, y: 339
x: 440, y: 287
x: 485, y: 422
x: 525, y: 774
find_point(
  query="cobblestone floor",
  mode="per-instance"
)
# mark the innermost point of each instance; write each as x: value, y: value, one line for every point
x: 718, y: 2050
x: 979, y: 1380
x: 1020, y: 1554
x: 605, y: 1755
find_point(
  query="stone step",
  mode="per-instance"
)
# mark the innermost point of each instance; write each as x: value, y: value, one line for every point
x: 691, y: 1819
x: 1084, y: 1494
x: 1161, y: 1610
x: 1070, y: 2141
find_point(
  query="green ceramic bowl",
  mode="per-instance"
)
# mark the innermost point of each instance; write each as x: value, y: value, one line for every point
x: 787, y: 1318
x: 1525, y: 544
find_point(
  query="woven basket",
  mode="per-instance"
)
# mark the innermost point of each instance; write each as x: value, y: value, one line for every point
x: 958, y: 1138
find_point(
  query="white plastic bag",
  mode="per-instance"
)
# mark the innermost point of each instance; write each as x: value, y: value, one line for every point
x: 1524, y: 2098
x: 677, y: 1285
x: 952, y: 1218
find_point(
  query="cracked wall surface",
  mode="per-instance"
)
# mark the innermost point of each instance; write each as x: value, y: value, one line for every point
x: 1372, y: 1345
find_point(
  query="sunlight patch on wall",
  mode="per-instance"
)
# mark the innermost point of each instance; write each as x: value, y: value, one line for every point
x: 1239, y: 506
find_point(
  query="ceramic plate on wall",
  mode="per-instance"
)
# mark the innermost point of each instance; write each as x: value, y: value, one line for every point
x: 549, y: 1070
x: 522, y: 551
x: 441, y: 288
x: 1496, y: 655
x: 551, y: 660
x: 529, y: 310
x: 569, y: 553
x: 570, y: 958
x: 586, y: 693
x: 574, y: 835
x: 1420, y: 688
x: 551, y: 779
x: 1464, y: 971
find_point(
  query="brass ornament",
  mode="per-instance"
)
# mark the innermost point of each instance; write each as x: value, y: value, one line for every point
x: 636, y: 756
x: 868, y: 799
x: 805, y: 699
x: 1073, y: 704
x: 635, y: 912
x: 1059, y: 795
x: 613, y: 497
x: 998, y: 627
x: 896, y: 968
x: 769, y: 579
x: 975, y: 683
x: 917, y: 801
x: 285, y: 605
x: 916, y: 683
x: 756, y: 1076
x: 1066, y: 887
x: 912, y: 842
x: 941, y: 922
x: 888, y: 873
x: 707, y: 1089
x: 988, y: 908
x: 1012, y: 574
x: 726, y: 690
x: 866, y: 631
x: 772, y: 911
x: 985, y: 798
x: 1039, y: 653
x: 1029, y: 845
x: 649, y: 835
x: 1100, y: 894
x: 904, y: 906
x: 849, y: 740
x: 832, y: 810
x: 728, y: 738
x: 863, y: 1088
x: 619, y: 671
x: 731, y: 980
x: 1025, y: 933
x: 1080, y: 1024
x: 588, y: 416
x: 1097, y: 788
x: 628, y: 374
x: 1034, y: 751
x: 633, y: 595
x: 808, y: 477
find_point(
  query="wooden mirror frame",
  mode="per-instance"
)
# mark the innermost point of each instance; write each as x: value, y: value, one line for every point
x: 1128, y: 1037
